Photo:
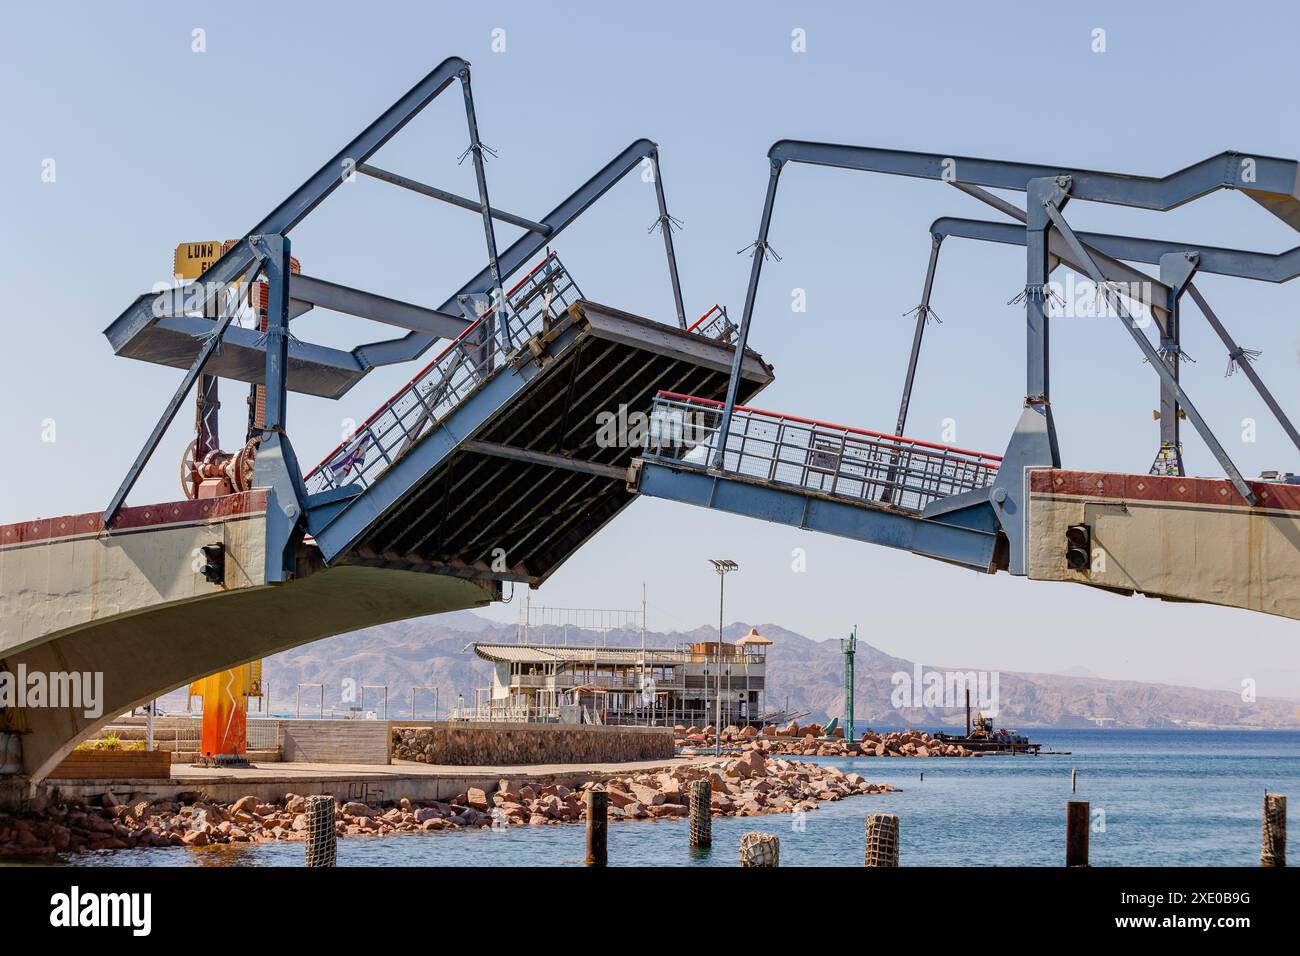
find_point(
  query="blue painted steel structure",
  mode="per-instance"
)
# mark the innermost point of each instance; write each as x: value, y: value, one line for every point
x: 1048, y: 239
x: 487, y: 444
x: 176, y: 328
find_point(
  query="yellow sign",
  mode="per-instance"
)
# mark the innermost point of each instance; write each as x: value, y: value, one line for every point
x: 192, y: 259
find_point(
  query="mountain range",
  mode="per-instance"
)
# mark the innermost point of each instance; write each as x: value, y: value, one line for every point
x: 803, y: 676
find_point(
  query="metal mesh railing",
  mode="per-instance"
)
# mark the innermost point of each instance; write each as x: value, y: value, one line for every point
x: 184, y: 733
x: 850, y: 463
x: 715, y: 325
x: 471, y: 359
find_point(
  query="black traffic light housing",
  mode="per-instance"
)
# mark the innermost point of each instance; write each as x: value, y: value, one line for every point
x: 1078, y: 547
x: 213, y: 567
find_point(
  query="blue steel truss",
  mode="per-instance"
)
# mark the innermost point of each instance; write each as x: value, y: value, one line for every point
x: 155, y: 329
x: 1047, y: 239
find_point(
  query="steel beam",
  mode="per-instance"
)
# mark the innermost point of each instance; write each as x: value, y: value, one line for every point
x: 516, y: 255
x: 369, y: 305
x: 923, y: 313
x: 546, y: 459
x: 1241, y: 263
x: 210, y: 344
x: 1263, y: 177
x: 742, y: 334
x: 453, y: 199
x: 1150, y: 292
x: 276, y: 466
x: 666, y: 227
x: 1176, y: 270
x: 1237, y: 354
x: 498, y: 323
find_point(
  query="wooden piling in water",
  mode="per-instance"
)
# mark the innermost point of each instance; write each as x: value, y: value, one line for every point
x: 597, y: 828
x: 1272, y: 850
x: 882, y: 840
x: 1074, y: 784
x: 760, y: 849
x: 701, y: 795
x: 322, y: 842
x: 1077, y: 821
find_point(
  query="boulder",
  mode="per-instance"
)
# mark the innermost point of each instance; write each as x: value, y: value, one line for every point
x: 647, y: 795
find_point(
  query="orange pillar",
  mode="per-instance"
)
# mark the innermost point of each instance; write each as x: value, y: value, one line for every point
x: 224, y: 731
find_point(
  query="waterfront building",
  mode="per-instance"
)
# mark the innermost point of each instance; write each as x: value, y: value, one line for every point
x: 625, y: 685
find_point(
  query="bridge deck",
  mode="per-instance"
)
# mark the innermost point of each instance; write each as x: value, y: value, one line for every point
x: 884, y: 489
x: 530, y: 461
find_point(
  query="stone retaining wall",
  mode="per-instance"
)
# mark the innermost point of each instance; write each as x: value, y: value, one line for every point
x: 511, y: 744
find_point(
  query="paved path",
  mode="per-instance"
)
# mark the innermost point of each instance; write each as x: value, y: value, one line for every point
x: 184, y: 773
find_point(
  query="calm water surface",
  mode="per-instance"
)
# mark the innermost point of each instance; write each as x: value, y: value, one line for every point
x: 1170, y: 798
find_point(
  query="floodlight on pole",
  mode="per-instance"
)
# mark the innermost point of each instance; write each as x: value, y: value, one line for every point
x: 723, y: 567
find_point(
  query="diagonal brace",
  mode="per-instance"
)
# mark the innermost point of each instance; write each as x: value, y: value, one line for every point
x: 1244, y: 364
x: 1167, y: 377
x: 210, y: 345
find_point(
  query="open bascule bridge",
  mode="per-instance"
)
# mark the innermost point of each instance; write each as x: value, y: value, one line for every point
x: 487, y: 466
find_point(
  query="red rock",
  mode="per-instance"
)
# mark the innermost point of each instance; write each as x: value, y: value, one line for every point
x: 647, y: 795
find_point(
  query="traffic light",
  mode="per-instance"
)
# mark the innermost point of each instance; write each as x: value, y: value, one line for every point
x: 1078, y: 547
x: 212, y: 564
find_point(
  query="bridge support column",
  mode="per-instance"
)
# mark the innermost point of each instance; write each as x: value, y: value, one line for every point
x: 276, y: 467
x: 1176, y: 270
x: 1033, y: 443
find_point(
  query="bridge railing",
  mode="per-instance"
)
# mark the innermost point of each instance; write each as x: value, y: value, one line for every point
x: 715, y: 324
x: 471, y: 359
x: 852, y: 463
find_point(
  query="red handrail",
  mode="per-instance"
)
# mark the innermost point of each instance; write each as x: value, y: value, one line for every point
x: 531, y: 272
x: 398, y: 394
x: 424, y: 371
x: 664, y: 393
x: 694, y: 325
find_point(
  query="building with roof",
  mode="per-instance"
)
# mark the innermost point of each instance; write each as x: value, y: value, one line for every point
x: 625, y: 685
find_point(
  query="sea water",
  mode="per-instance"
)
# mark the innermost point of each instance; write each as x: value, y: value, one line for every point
x: 1158, y: 798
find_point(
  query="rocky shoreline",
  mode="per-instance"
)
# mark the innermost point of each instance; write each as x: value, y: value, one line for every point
x: 748, y: 785
x: 811, y: 741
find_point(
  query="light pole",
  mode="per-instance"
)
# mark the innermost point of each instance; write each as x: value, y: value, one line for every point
x: 722, y: 566
x: 849, y: 647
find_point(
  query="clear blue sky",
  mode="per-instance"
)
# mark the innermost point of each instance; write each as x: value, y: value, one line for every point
x: 155, y: 144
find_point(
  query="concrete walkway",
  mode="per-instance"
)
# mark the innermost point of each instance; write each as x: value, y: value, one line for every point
x: 418, y: 781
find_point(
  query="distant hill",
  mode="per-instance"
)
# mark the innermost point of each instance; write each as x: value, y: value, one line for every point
x: 430, y: 652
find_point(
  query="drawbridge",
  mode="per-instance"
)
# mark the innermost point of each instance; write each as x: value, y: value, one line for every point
x: 492, y: 464
x: 544, y: 413
x: 1163, y: 533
